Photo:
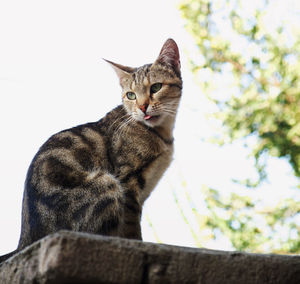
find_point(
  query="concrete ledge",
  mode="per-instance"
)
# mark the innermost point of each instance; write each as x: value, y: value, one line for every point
x: 68, y: 257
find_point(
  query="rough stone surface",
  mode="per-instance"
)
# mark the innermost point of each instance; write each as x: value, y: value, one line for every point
x: 68, y: 257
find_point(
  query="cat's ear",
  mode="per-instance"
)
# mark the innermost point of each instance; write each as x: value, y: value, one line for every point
x: 123, y: 72
x: 169, y: 55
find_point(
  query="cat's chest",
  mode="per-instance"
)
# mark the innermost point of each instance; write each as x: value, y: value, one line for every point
x: 140, y: 161
x: 155, y: 171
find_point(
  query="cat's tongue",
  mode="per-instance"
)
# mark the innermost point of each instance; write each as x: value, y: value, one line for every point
x: 146, y: 117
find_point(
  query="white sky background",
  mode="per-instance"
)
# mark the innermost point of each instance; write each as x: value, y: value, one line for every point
x: 52, y: 77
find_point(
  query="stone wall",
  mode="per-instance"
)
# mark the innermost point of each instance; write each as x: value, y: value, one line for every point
x: 68, y: 257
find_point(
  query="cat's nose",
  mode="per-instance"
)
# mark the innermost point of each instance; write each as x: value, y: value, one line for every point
x: 143, y: 108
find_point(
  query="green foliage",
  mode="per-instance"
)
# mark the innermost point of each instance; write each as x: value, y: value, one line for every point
x: 252, y: 227
x: 260, y: 95
x: 242, y: 222
x: 249, y: 69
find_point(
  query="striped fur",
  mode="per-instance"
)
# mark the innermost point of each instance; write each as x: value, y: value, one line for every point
x: 95, y: 177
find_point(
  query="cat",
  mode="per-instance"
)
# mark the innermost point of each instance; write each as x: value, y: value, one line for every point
x: 95, y: 177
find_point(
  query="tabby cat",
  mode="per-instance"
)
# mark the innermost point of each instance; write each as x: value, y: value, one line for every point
x: 95, y: 177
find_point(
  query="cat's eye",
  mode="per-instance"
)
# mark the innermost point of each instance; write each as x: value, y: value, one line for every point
x: 155, y: 88
x: 131, y: 95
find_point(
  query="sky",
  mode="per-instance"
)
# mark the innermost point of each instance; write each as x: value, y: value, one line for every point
x: 52, y: 77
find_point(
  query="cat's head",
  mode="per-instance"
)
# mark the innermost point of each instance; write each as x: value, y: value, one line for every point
x: 151, y: 93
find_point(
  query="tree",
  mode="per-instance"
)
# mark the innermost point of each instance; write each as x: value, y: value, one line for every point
x: 258, y: 102
x: 261, y: 97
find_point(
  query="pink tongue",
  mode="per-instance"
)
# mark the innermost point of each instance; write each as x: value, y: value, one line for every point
x: 147, y: 117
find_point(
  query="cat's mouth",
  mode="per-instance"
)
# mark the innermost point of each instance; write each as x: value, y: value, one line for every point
x: 151, y: 117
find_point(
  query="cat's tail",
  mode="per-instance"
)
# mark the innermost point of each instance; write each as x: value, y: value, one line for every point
x: 7, y: 256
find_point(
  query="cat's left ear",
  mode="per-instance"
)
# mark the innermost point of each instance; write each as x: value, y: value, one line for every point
x: 123, y: 72
x: 169, y: 55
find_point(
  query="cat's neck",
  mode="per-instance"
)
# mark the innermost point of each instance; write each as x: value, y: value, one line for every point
x: 165, y: 130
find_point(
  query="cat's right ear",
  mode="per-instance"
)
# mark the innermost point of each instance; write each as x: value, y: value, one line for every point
x: 169, y: 55
x: 123, y: 72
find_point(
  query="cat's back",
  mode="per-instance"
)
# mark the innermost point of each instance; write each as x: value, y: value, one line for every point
x: 66, y: 180
x: 75, y: 151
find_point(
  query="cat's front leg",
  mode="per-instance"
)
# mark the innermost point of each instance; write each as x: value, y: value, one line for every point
x: 132, y: 216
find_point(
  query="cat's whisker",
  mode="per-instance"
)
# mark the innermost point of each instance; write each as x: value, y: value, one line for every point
x: 170, y: 111
x: 117, y: 121
x: 170, y: 114
x: 119, y: 130
x: 122, y: 127
x: 172, y: 105
x: 124, y: 121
